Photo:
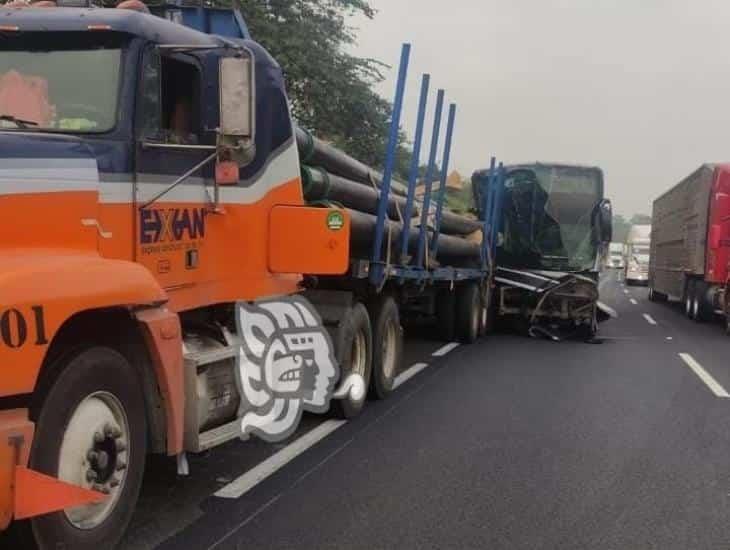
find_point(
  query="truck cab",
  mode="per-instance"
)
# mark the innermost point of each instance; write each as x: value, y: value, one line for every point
x: 149, y: 182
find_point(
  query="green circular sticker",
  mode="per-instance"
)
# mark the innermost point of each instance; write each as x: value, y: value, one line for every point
x: 335, y: 220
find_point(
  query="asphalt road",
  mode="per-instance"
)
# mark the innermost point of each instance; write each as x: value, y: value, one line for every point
x: 509, y: 443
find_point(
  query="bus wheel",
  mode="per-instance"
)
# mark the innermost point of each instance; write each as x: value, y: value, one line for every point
x: 91, y: 432
x: 387, y: 345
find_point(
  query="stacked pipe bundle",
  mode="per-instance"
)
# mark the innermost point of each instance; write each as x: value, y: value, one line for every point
x: 328, y: 174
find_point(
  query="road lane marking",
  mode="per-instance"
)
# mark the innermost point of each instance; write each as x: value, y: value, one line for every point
x: 649, y: 319
x: 669, y: 338
x: 705, y: 376
x: 409, y: 373
x: 633, y: 301
x: 244, y: 522
x: 626, y: 291
x: 274, y: 463
x: 446, y: 349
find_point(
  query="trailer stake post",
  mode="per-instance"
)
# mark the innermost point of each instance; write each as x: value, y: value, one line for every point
x: 413, y: 174
x: 444, y: 177
x: 377, y: 271
x: 429, y: 177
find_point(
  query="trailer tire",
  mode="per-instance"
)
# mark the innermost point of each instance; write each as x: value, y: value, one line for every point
x: 487, y: 312
x: 387, y: 345
x: 689, y: 294
x: 702, y: 313
x: 468, y: 312
x: 445, y: 314
x: 96, y: 385
x: 353, y: 340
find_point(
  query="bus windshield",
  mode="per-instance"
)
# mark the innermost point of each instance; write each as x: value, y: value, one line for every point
x: 549, y: 218
x: 72, y: 90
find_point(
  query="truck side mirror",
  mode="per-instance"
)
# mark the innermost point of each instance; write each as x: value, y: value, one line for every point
x: 236, y: 134
x: 605, y: 221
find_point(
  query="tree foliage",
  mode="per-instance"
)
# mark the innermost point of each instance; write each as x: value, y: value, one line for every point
x: 331, y: 91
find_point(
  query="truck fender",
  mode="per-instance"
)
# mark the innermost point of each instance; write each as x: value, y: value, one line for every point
x: 39, y: 292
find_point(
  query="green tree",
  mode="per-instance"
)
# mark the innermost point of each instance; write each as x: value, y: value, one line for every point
x: 331, y: 91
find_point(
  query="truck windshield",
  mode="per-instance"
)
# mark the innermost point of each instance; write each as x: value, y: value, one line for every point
x: 641, y: 253
x: 549, y: 218
x: 72, y: 90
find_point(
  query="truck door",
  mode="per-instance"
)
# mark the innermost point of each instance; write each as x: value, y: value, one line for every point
x: 170, y: 222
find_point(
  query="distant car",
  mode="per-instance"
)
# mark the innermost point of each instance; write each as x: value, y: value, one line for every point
x: 615, y: 257
x: 637, y: 250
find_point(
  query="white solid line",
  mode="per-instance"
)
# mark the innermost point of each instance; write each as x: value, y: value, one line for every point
x: 633, y: 301
x: 649, y: 319
x: 256, y: 475
x: 406, y: 375
x: 446, y: 349
x: 705, y: 376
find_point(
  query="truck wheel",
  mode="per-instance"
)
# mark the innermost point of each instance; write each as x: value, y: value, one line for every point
x: 486, y: 313
x: 702, y: 309
x: 387, y: 345
x: 468, y: 312
x: 445, y: 314
x: 689, y: 299
x: 91, y: 431
x: 354, y: 351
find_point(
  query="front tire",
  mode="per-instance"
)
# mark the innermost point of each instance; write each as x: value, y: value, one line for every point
x: 91, y: 431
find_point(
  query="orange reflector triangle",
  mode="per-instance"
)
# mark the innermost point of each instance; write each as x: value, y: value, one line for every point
x: 37, y: 494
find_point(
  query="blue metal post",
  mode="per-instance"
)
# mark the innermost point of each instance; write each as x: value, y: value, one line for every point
x: 429, y: 177
x: 444, y: 176
x: 376, y: 271
x: 487, y: 196
x: 415, y: 162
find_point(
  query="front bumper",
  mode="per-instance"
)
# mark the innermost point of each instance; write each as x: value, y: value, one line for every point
x: 638, y: 276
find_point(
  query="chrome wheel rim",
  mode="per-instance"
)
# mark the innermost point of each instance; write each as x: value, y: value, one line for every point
x: 94, y: 455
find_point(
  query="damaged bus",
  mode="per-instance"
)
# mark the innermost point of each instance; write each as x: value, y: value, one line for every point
x: 553, y: 229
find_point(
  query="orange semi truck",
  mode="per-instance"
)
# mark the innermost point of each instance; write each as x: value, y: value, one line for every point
x: 149, y: 182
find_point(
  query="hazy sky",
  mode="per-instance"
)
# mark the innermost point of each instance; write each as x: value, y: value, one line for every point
x: 640, y: 88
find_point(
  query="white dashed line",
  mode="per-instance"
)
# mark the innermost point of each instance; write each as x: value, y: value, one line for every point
x: 649, y: 319
x: 633, y: 301
x: 446, y: 349
x: 409, y: 373
x: 274, y: 463
x: 705, y: 376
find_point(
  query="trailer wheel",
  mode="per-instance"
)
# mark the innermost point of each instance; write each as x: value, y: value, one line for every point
x: 656, y: 296
x: 445, y: 314
x: 387, y: 345
x: 91, y: 431
x: 468, y: 312
x: 702, y: 313
x: 689, y: 299
x: 354, y: 350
